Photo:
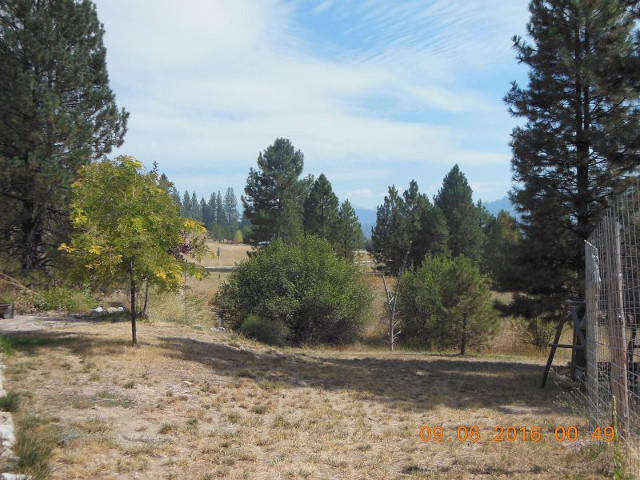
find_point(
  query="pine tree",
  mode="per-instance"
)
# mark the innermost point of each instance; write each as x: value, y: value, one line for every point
x: 185, y: 211
x: 410, y: 218
x: 348, y: 235
x: 467, y: 306
x: 390, y: 237
x: 57, y: 113
x: 196, y: 211
x: 580, y: 139
x: 207, y: 217
x: 213, y: 210
x: 274, y: 193
x: 231, y: 211
x: 503, y: 240
x: 321, y: 209
x: 223, y: 221
x: 463, y: 222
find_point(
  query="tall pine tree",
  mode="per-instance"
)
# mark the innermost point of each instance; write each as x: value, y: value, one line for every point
x: 274, y: 193
x: 321, y: 209
x: 463, y: 220
x: 57, y: 113
x: 580, y: 139
x: 403, y: 219
x: 231, y: 211
x: 348, y: 235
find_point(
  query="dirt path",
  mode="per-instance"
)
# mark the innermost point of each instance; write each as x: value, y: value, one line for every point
x: 29, y: 323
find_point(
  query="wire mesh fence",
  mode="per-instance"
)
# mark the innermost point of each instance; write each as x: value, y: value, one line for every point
x: 612, y: 294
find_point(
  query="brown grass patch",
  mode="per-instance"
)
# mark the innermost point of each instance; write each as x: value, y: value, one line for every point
x: 211, y: 405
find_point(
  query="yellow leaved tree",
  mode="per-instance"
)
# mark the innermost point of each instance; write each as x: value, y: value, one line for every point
x: 128, y: 230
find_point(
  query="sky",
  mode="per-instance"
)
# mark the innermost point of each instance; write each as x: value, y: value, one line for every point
x: 373, y: 92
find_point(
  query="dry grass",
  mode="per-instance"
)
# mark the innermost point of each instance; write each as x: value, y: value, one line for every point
x: 198, y: 404
x: 229, y: 254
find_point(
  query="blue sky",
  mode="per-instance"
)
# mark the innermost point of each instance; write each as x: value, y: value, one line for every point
x: 373, y: 92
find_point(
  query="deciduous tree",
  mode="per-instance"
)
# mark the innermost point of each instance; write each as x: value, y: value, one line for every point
x: 128, y: 229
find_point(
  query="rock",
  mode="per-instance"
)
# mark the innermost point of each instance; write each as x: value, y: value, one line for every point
x: 98, y: 309
x: 112, y: 310
x: 13, y: 476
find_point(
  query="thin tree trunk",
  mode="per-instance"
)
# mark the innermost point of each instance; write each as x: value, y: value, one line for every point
x: 463, y: 344
x: 134, y: 336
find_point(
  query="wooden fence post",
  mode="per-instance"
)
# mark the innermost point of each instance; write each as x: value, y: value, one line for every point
x: 592, y: 294
x: 617, y: 331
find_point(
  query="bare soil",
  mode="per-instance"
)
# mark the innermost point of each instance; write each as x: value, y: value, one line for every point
x: 198, y: 404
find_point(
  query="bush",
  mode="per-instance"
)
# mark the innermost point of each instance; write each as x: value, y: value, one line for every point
x: 307, y: 293
x: 269, y: 332
x: 64, y: 299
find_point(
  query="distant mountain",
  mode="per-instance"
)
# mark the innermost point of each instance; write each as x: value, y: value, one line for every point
x: 502, y: 204
x: 367, y: 218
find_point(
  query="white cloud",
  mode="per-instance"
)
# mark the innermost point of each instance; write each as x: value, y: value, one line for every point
x: 210, y: 84
x: 360, y: 193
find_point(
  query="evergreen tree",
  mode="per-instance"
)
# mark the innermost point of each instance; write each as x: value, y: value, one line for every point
x: 446, y: 303
x: 273, y: 194
x: 185, y: 211
x: 57, y: 113
x: 348, y: 235
x: 463, y: 222
x: 410, y: 218
x: 213, y: 211
x: 503, y: 240
x: 223, y: 222
x: 389, y: 237
x: 434, y: 235
x: 196, y: 211
x: 580, y: 139
x: 207, y: 217
x: 321, y: 209
x: 231, y: 211
x: 467, y: 306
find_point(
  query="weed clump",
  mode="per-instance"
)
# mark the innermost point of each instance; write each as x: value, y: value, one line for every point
x: 9, y: 402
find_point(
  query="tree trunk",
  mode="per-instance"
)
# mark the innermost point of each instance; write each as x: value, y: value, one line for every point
x: 31, y: 238
x: 463, y: 343
x: 134, y: 336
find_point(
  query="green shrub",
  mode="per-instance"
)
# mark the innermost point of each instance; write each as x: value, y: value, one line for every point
x: 64, y: 299
x: 308, y: 293
x: 265, y: 331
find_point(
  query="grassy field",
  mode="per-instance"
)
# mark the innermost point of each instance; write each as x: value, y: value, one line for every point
x: 200, y: 405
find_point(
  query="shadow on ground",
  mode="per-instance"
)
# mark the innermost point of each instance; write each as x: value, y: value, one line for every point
x: 415, y: 382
